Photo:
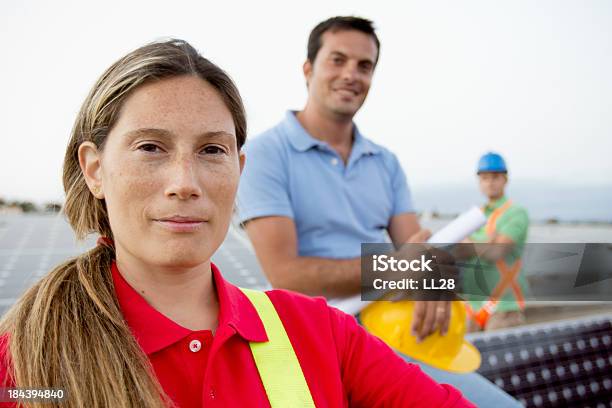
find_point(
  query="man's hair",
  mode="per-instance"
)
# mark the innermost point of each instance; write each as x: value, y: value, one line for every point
x: 340, y: 23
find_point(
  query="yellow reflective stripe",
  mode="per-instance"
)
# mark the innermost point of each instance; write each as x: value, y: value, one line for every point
x: 278, y: 366
x: 492, y: 221
x: 507, y: 276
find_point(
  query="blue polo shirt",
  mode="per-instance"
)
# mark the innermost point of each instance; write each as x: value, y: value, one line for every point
x: 334, y: 207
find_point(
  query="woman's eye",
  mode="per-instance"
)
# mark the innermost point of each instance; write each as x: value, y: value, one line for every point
x: 149, y: 147
x: 213, y: 150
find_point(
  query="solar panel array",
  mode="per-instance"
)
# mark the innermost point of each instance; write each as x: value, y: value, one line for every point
x: 564, y: 364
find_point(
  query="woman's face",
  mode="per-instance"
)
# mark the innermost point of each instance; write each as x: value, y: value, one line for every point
x: 169, y: 172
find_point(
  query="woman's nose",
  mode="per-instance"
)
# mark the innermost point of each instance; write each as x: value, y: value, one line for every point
x: 183, y: 181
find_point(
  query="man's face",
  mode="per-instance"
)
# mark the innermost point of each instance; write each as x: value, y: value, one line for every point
x: 340, y: 76
x: 492, y: 184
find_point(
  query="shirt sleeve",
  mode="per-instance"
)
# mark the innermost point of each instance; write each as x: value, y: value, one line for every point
x: 402, y: 198
x: 264, y: 188
x: 515, y: 226
x: 375, y: 376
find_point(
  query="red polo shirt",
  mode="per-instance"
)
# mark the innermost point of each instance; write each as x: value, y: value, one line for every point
x: 343, y: 364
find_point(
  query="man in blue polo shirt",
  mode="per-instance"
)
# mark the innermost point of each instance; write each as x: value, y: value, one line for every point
x: 314, y: 188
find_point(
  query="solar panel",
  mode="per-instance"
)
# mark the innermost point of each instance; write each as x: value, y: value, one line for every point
x: 563, y: 364
x: 236, y: 259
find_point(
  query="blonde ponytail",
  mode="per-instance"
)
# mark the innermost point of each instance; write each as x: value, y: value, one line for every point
x: 67, y: 332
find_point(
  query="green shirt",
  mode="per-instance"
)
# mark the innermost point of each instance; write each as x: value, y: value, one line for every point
x: 513, y: 223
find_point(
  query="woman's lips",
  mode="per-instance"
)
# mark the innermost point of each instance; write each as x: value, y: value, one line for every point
x: 181, y: 224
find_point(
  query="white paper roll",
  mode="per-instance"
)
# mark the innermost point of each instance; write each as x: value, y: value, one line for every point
x: 461, y: 227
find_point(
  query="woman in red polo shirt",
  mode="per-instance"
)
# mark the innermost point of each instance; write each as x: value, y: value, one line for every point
x: 145, y: 319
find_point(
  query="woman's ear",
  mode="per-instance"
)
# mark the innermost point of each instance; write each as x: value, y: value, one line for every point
x: 91, y: 166
x: 242, y: 160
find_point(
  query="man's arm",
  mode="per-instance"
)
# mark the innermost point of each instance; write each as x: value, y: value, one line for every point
x: 405, y: 228
x: 275, y: 242
x: 503, y: 245
x: 276, y: 246
x: 504, y: 238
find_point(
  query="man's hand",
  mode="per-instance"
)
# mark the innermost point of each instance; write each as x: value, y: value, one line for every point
x: 430, y: 316
x: 421, y: 236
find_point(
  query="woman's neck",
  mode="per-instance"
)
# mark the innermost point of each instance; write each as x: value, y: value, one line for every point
x: 186, y: 295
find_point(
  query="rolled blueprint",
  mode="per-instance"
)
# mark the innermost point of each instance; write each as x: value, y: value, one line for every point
x: 461, y: 227
x: 458, y: 229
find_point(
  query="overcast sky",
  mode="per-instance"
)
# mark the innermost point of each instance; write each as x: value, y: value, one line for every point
x: 530, y: 79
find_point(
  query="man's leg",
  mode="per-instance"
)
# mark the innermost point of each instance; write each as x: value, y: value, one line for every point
x: 473, y: 386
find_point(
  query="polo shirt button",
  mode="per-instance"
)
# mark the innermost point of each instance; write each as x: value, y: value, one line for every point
x: 334, y: 161
x: 195, y: 346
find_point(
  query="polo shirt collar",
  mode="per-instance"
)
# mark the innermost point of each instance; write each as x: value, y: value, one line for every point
x: 496, y: 204
x: 302, y: 141
x: 236, y: 310
x: 154, y: 331
x: 362, y: 146
x: 299, y: 138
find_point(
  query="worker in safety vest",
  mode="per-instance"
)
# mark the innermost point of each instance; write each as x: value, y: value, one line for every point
x: 496, y: 290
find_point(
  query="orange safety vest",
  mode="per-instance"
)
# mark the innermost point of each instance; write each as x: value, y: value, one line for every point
x: 507, y: 273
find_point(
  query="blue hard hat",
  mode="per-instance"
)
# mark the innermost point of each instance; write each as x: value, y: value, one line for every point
x: 492, y: 162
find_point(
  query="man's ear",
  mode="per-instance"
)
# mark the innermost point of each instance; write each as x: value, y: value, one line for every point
x: 91, y: 166
x: 307, y: 69
x: 242, y: 160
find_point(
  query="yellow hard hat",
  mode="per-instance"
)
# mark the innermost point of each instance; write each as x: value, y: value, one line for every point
x: 391, y: 322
